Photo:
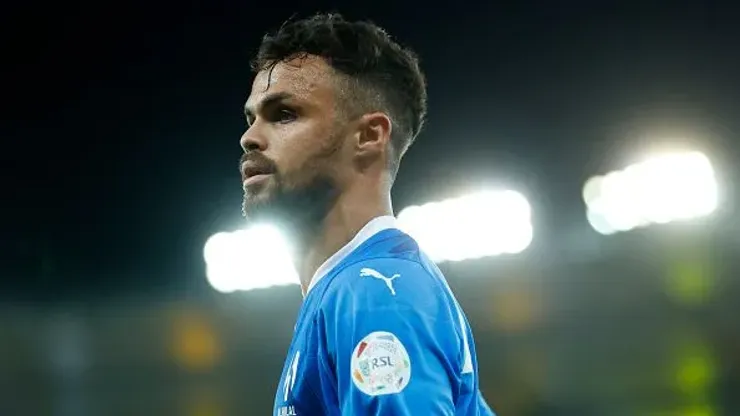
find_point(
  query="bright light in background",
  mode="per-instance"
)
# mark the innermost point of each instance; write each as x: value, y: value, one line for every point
x: 478, y: 225
x: 664, y: 189
x: 254, y: 258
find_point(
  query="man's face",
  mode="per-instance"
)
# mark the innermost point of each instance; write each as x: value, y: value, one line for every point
x: 292, y: 146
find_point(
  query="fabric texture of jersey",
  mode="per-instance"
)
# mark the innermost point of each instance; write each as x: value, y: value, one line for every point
x: 380, y: 333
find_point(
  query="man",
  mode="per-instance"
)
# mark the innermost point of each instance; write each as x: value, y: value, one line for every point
x: 334, y: 106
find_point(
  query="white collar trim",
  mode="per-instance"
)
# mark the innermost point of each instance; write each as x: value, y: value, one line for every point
x: 373, y: 227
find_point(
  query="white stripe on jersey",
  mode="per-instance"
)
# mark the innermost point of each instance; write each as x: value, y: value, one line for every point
x: 467, y: 367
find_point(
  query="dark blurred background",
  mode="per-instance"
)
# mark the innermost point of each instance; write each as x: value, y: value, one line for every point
x: 120, y: 130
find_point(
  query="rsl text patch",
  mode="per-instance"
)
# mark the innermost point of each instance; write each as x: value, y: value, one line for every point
x: 380, y: 364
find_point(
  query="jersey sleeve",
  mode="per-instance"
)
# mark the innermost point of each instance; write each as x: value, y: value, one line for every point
x: 392, y: 340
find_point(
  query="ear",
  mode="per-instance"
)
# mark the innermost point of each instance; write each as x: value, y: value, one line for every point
x: 374, y: 134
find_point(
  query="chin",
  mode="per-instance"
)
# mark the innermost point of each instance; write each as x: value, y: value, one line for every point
x: 254, y: 207
x: 302, y: 206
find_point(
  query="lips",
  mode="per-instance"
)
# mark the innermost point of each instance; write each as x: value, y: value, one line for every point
x: 250, y: 169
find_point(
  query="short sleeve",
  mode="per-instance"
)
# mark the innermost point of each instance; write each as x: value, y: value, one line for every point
x: 392, y: 340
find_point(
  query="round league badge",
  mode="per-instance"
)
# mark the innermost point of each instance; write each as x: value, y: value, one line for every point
x: 380, y: 364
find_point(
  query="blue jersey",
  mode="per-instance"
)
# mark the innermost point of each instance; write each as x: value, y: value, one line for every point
x: 380, y: 333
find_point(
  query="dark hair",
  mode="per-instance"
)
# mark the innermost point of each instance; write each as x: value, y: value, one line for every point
x: 382, y: 75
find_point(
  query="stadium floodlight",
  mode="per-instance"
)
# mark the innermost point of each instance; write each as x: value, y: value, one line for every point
x: 257, y: 257
x: 478, y: 225
x: 664, y: 189
x: 474, y: 226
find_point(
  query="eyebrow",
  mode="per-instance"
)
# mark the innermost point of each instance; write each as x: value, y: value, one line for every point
x: 268, y: 100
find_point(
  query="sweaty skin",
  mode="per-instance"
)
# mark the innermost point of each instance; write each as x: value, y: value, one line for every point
x: 301, y: 144
x: 295, y: 122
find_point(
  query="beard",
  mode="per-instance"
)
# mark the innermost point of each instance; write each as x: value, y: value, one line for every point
x: 297, y: 205
x: 298, y: 199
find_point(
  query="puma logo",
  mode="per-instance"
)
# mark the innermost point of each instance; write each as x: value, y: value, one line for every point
x: 377, y: 275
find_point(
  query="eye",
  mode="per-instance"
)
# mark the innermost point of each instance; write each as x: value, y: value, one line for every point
x: 285, y: 115
x: 280, y: 115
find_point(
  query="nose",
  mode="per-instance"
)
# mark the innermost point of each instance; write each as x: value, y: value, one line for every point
x: 252, y: 141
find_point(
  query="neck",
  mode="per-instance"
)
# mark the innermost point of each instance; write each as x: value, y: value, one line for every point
x: 352, y: 211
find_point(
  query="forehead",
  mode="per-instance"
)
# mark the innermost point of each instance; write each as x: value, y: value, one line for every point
x: 310, y: 80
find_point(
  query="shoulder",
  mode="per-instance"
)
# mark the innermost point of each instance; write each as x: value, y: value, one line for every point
x: 387, y: 282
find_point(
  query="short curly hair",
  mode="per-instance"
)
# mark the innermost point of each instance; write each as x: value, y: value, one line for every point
x: 378, y: 73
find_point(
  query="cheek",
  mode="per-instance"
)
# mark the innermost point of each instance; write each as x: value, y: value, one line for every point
x: 305, y: 152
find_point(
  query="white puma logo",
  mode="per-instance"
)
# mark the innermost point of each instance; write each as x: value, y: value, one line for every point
x: 388, y: 280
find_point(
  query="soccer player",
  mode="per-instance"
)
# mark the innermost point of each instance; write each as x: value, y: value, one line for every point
x: 334, y: 106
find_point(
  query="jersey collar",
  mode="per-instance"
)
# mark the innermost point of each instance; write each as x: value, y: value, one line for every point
x: 373, y: 227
